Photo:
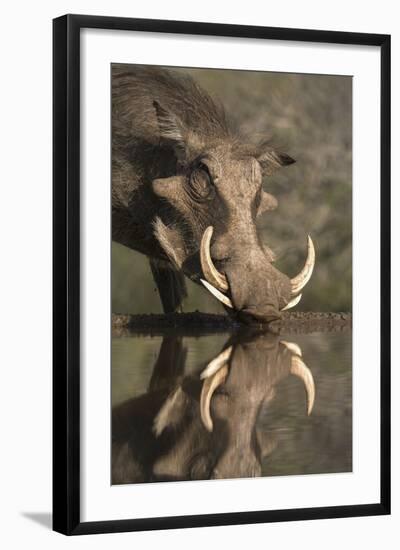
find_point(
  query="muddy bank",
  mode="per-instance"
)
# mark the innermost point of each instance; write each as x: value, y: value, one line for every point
x: 197, y: 323
x: 309, y: 321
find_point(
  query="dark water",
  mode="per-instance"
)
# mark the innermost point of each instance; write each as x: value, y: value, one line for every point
x: 247, y: 418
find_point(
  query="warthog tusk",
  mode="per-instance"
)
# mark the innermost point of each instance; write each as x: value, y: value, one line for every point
x: 300, y: 369
x: 211, y: 273
x: 218, y: 362
x: 293, y: 347
x: 292, y: 303
x: 303, y: 277
x: 209, y: 387
x: 215, y: 292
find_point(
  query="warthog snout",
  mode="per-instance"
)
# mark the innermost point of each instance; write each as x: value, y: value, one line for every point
x: 248, y: 283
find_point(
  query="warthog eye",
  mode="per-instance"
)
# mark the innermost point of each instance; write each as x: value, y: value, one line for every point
x: 201, y: 183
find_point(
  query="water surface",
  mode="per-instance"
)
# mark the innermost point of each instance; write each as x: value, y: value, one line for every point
x: 248, y: 418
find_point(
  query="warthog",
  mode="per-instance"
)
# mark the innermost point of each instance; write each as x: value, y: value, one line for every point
x: 204, y: 425
x: 187, y: 190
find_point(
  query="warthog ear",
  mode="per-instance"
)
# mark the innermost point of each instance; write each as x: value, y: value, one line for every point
x: 171, y: 128
x: 271, y: 160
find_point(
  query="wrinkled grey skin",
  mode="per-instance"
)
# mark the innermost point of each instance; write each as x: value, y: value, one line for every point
x: 177, y: 168
x: 150, y: 445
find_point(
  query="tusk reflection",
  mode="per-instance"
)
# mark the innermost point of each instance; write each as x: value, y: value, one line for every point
x: 293, y: 347
x: 299, y: 368
x: 207, y: 391
x: 214, y: 365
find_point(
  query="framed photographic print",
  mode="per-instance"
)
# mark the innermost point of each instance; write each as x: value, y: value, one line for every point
x: 221, y: 274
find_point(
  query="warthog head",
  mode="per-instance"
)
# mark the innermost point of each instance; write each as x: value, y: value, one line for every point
x: 218, y: 194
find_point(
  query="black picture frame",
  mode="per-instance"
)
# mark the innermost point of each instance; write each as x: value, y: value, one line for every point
x: 66, y: 272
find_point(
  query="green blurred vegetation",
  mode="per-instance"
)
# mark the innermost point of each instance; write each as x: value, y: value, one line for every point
x: 310, y: 118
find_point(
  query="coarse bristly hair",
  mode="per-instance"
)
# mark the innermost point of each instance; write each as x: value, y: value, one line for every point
x: 142, y: 96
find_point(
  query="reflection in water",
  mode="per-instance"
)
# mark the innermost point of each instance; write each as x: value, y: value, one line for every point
x: 238, y: 415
